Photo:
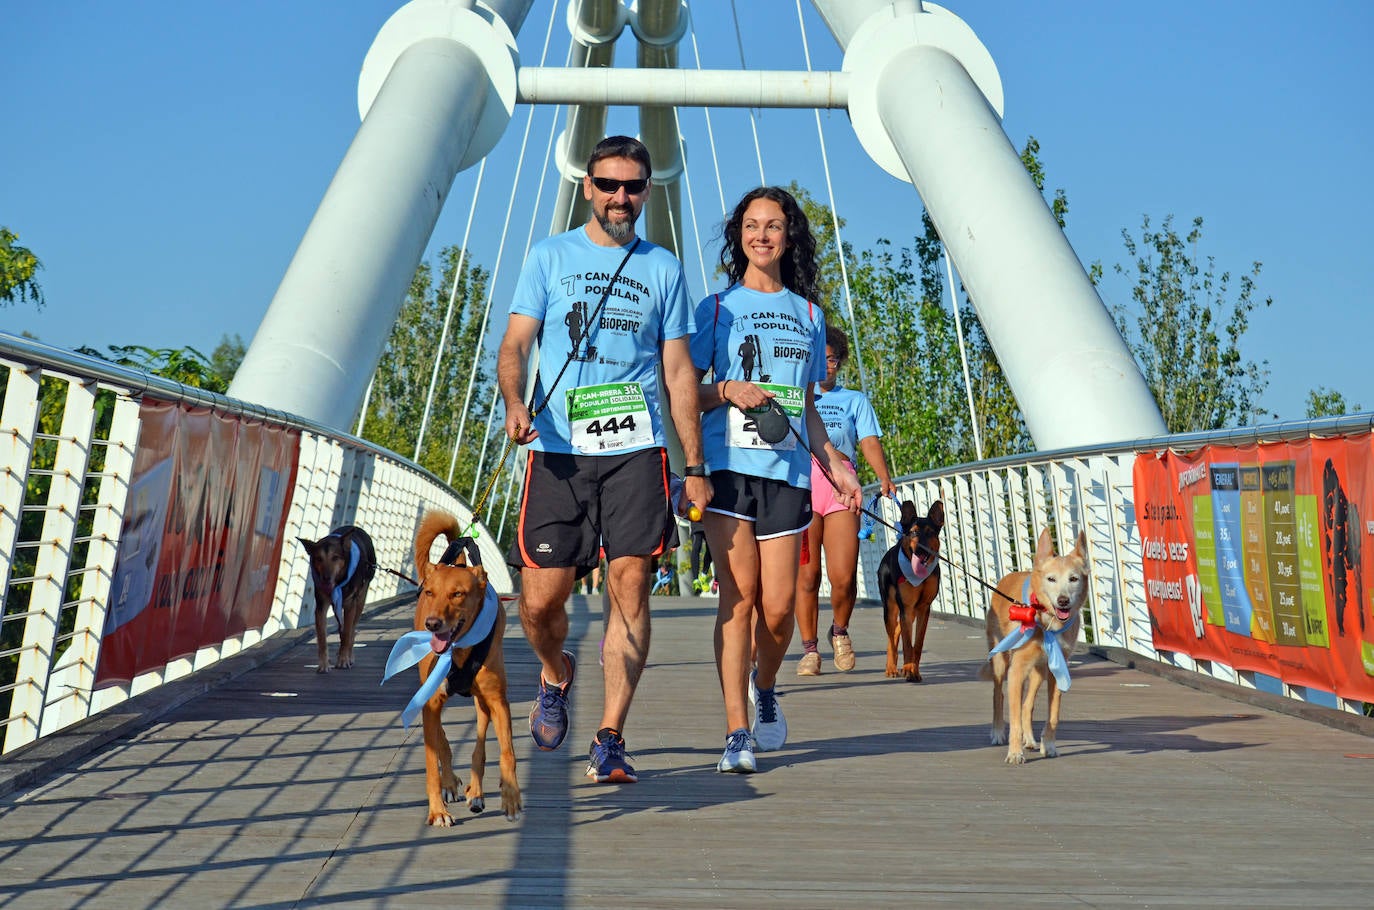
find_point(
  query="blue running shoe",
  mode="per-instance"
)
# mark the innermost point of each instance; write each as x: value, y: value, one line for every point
x: 770, y: 727
x: 608, y: 763
x: 549, y: 716
x: 739, y: 754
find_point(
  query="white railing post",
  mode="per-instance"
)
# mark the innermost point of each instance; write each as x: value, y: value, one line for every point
x: 51, y: 564
x: 71, y: 692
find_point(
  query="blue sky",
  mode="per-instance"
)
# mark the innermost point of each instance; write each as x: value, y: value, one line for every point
x: 164, y: 158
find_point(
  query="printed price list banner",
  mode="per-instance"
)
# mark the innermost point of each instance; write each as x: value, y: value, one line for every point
x: 1261, y: 557
x: 201, y: 538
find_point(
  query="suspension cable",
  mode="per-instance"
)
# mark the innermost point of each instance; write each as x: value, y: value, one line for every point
x: 491, y: 283
x: 448, y: 316
x: 753, y: 122
x: 691, y: 200
x: 963, y: 354
x: 529, y: 241
x: 362, y: 414
x: 710, y: 133
x: 834, y: 215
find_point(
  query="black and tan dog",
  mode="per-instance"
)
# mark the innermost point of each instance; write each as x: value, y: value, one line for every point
x: 342, y: 565
x: 908, y: 580
x: 453, y: 594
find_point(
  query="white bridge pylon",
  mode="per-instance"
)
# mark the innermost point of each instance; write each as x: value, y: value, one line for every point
x: 439, y: 87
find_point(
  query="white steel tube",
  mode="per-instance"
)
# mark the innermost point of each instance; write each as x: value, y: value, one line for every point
x: 326, y: 327
x: 683, y: 87
x: 1052, y: 335
x: 844, y: 17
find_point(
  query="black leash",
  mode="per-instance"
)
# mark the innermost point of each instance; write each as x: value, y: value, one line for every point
x: 399, y: 575
x: 586, y: 330
x: 548, y: 393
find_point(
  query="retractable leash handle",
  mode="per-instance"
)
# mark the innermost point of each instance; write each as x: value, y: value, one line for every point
x: 869, y: 522
x: 772, y: 424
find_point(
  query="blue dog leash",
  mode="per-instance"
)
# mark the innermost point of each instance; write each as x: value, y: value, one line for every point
x: 1054, y: 654
x: 413, y: 646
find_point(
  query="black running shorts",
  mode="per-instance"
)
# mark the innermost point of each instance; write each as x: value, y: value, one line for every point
x: 576, y: 506
x: 775, y: 508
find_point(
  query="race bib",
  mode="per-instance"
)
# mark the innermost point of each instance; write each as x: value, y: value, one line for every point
x: 608, y: 418
x: 741, y: 429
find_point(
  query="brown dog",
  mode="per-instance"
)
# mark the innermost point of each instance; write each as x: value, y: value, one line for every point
x: 1052, y: 593
x: 341, y: 566
x: 452, y: 595
x: 908, y: 580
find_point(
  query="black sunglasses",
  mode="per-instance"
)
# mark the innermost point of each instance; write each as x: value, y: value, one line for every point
x: 610, y: 186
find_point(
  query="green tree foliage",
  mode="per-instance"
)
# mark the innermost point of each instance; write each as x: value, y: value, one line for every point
x: 18, y: 265
x: 889, y: 338
x: 1324, y: 402
x: 1187, y: 329
x: 400, y: 386
x: 187, y: 366
x: 226, y: 357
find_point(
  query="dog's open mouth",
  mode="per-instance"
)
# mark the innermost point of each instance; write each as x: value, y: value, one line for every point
x: 1063, y: 613
x: 439, y: 641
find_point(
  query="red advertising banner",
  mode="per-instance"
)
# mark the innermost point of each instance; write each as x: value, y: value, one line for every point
x: 201, y: 538
x: 1260, y: 557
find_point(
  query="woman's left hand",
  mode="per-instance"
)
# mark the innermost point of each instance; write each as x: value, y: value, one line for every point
x: 847, y: 486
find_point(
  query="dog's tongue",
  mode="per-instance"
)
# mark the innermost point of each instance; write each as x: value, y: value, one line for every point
x: 1063, y: 614
x: 439, y: 641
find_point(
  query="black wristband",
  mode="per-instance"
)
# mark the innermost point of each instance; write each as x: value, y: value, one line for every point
x: 695, y: 470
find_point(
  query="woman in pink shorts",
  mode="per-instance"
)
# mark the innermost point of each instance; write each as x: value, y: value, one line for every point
x: 852, y: 424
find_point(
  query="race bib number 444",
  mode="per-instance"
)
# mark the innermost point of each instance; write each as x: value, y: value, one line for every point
x: 608, y: 418
x: 742, y: 429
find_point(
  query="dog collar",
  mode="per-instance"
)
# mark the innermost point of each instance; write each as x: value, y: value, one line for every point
x: 413, y: 646
x: 914, y: 575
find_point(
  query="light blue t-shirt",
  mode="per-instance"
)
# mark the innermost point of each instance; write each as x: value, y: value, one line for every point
x: 613, y: 378
x: 848, y: 416
x: 778, y: 342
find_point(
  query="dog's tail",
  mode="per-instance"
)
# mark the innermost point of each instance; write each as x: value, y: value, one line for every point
x: 434, y: 523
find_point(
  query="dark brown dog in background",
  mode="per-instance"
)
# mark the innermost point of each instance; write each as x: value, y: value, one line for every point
x: 452, y: 594
x: 341, y: 565
x: 908, y: 580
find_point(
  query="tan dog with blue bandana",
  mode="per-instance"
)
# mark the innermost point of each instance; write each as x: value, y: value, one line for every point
x: 1032, y: 626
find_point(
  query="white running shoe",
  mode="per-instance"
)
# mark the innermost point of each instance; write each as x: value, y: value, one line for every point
x: 739, y: 754
x: 770, y: 727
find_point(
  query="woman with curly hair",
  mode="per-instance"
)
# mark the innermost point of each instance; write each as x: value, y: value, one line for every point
x: 760, y: 432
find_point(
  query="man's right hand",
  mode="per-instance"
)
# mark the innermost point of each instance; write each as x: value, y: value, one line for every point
x: 519, y: 424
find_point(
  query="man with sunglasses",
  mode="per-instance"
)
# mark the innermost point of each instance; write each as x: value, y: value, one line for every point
x: 597, y: 474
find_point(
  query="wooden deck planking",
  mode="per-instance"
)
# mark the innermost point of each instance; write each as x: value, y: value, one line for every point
x: 283, y: 788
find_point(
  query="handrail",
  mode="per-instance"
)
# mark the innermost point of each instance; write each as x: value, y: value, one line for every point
x: 64, y: 502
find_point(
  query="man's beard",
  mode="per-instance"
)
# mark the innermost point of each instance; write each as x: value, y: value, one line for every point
x: 619, y: 231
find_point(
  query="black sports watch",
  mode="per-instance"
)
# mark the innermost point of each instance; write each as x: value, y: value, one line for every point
x: 695, y: 470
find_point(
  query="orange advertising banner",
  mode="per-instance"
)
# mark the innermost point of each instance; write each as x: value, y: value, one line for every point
x: 201, y: 538
x: 1260, y: 557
